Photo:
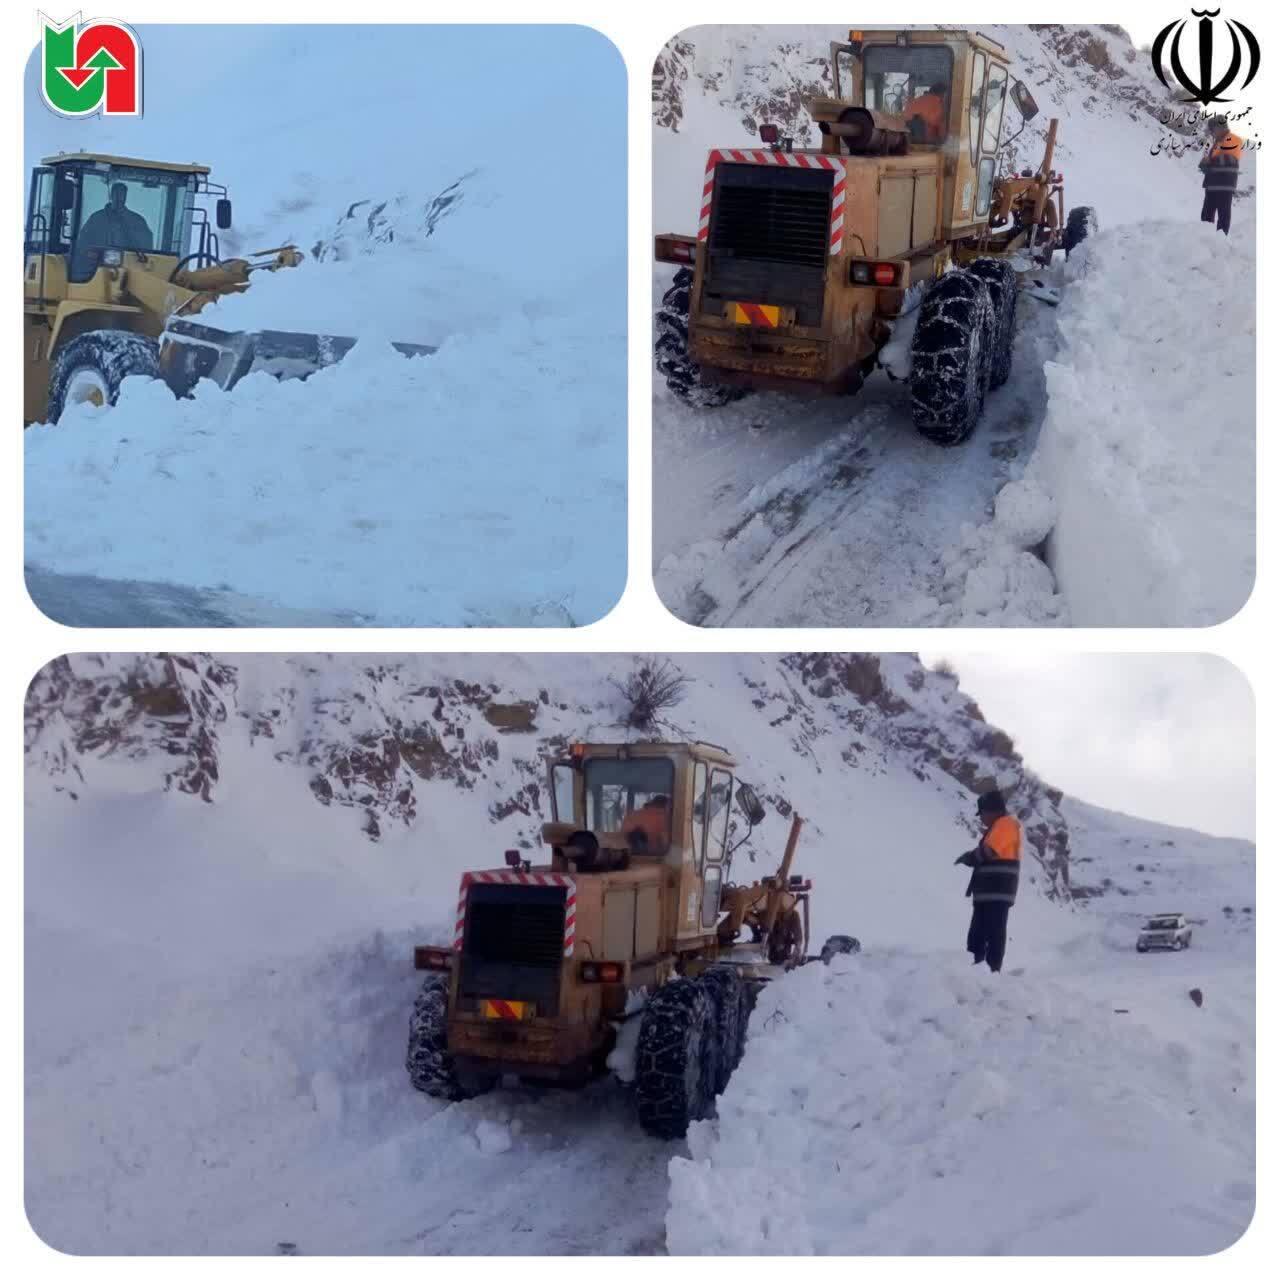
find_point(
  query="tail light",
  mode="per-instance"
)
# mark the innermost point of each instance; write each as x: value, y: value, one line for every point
x: 682, y: 250
x: 438, y: 958
x: 769, y: 134
x: 601, y: 971
x: 512, y: 857
x: 881, y: 273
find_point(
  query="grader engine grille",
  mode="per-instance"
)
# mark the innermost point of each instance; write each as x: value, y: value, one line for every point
x: 513, y: 943
x: 768, y: 239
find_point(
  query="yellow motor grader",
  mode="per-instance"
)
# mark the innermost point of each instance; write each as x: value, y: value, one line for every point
x: 119, y: 254
x: 629, y: 932
x: 805, y: 258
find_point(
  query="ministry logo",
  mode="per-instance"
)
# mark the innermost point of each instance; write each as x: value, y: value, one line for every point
x: 1203, y: 86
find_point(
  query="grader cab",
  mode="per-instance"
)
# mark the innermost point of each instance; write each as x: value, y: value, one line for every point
x: 804, y: 259
x: 627, y: 934
x: 119, y: 255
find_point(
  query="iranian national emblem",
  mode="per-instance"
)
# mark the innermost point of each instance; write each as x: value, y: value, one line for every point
x: 1207, y: 86
x: 90, y: 66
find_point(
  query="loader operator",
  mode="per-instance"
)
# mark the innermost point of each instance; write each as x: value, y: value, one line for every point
x: 994, y: 883
x: 114, y: 226
x: 1221, y: 169
x: 648, y: 828
x: 926, y: 115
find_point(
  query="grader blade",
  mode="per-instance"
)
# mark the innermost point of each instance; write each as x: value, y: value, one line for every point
x: 190, y: 351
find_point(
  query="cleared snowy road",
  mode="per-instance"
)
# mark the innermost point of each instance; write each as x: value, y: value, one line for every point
x: 782, y: 511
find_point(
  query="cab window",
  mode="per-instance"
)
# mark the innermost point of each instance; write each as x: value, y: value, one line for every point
x: 976, y: 103
x: 911, y: 81
x: 631, y: 796
x: 562, y: 799
x: 699, y: 809
x: 718, y: 797
x: 143, y: 210
x: 993, y: 113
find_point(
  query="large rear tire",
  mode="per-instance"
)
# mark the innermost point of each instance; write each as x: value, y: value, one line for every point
x: 91, y: 368
x: 428, y: 1061
x: 951, y: 358
x: 684, y: 378
x: 1002, y: 285
x: 1082, y: 222
x: 673, y: 1087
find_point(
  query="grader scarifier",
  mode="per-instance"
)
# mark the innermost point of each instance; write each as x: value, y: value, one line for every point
x: 119, y: 255
x: 804, y: 259
x: 632, y: 920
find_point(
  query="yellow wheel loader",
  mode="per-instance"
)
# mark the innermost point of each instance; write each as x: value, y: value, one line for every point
x: 629, y: 934
x: 119, y: 255
x: 804, y: 259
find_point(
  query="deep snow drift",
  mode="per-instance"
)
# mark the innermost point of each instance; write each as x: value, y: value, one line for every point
x: 1148, y: 445
x: 249, y: 846
x: 780, y: 510
x: 427, y: 491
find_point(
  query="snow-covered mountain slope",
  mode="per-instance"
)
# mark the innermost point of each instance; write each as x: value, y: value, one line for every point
x: 833, y: 512
x: 714, y: 85
x: 428, y: 491
x: 248, y: 846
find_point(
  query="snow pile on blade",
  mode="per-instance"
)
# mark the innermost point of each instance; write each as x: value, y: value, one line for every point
x: 1148, y: 445
x: 899, y: 1104
x: 438, y: 490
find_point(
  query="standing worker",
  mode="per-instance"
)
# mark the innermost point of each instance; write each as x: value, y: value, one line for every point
x: 1221, y: 169
x: 994, y: 883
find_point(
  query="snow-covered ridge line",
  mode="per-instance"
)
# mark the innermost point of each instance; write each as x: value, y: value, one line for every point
x: 375, y: 735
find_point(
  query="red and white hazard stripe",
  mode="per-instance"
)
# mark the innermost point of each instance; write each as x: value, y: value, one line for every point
x: 545, y: 879
x: 788, y: 159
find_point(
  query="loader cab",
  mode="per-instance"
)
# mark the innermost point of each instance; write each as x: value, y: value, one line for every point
x: 950, y: 87
x: 87, y: 212
x: 657, y: 803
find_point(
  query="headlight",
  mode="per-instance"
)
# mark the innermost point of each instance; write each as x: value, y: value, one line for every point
x: 112, y: 258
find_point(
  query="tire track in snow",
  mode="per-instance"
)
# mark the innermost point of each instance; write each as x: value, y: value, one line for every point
x: 855, y: 528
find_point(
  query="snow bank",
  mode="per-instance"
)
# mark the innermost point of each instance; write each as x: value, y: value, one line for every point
x: 1148, y: 444
x: 431, y: 491
x: 919, y: 1107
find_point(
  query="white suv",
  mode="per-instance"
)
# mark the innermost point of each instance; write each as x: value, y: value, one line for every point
x: 1171, y: 933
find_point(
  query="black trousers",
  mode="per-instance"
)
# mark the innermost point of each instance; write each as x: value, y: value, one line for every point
x: 1217, y: 204
x: 986, y: 933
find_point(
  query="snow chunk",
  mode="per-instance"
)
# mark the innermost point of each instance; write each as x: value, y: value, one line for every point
x: 493, y: 1137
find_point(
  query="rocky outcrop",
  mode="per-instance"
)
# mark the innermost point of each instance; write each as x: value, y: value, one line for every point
x: 372, y: 736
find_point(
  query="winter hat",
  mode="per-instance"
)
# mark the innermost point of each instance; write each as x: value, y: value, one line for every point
x: 991, y: 802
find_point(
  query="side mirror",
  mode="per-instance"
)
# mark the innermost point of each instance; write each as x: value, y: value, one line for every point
x: 1023, y: 100
x: 750, y: 805
x: 222, y: 214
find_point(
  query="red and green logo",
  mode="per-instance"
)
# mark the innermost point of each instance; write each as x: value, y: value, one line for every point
x: 90, y: 66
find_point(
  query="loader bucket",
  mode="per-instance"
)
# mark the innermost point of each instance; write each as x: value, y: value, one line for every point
x: 191, y: 351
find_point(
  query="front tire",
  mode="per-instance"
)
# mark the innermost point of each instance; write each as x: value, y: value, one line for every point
x: 683, y: 376
x: 951, y: 358
x: 1002, y: 285
x: 91, y: 368
x: 672, y: 1084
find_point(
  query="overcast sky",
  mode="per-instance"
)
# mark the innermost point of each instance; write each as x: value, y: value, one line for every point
x: 1163, y: 736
